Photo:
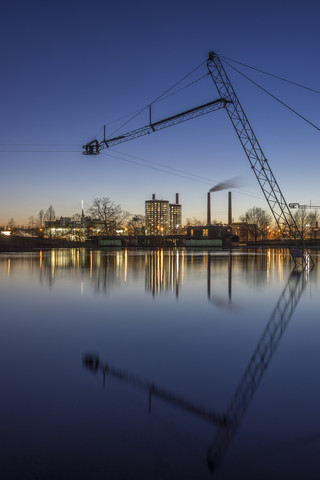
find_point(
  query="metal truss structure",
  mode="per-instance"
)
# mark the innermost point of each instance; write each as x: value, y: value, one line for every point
x: 257, y: 366
x: 94, y: 147
x: 259, y: 162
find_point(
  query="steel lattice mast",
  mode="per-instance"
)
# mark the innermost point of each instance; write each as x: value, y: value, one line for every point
x: 258, y: 162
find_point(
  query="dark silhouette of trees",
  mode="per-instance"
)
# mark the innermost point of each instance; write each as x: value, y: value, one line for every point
x: 192, y: 222
x: 136, y: 225
x: 40, y: 218
x: 306, y: 221
x: 258, y: 221
x: 108, y: 215
x: 50, y: 214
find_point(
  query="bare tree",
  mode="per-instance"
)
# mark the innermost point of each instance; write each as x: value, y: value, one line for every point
x: 11, y: 223
x: 136, y: 225
x: 313, y: 221
x: 32, y: 221
x: 306, y: 221
x: 50, y: 214
x: 108, y: 214
x: 40, y: 218
x: 258, y: 221
x: 193, y: 222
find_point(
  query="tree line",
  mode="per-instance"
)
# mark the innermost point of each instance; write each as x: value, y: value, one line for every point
x: 109, y: 218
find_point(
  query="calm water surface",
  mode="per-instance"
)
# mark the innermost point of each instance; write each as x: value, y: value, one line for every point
x: 206, y: 360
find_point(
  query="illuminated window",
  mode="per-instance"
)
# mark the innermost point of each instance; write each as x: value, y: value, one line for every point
x: 205, y: 232
x: 191, y: 232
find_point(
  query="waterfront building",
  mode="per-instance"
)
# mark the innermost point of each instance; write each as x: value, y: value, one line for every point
x: 175, y: 220
x: 157, y: 216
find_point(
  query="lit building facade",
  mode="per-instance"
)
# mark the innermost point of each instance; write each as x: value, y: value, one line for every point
x: 175, y: 217
x: 156, y: 216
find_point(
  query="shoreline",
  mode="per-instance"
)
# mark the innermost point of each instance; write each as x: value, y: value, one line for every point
x: 31, y: 244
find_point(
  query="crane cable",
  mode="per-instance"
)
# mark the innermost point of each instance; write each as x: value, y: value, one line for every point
x: 179, y: 173
x: 271, y: 74
x: 273, y: 96
x: 158, y: 98
x: 163, y: 98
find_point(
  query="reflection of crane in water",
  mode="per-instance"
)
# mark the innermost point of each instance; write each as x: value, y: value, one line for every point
x: 262, y: 355
x: 92, y: 362
x: 257, y: 366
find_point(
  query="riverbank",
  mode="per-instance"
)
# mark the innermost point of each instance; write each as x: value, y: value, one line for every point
x: 29, y: 244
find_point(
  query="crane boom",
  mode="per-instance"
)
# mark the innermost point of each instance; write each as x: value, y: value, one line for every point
x: 258, y: 161
x: 94, y: 147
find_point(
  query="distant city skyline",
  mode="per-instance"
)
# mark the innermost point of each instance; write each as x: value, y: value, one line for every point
x: 65, y: 75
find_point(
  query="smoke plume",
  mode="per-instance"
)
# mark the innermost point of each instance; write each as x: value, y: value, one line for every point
x: 232, y: 183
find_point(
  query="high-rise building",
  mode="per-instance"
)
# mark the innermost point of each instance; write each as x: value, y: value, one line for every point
x: 175, y: 213
x: 157, y: 216
x: 161, y: 217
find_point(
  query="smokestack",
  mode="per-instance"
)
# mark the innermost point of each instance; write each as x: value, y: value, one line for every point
x: 208, y: 209
x: 153, y: 196
x: 177, y: 198
x: 229, y: 209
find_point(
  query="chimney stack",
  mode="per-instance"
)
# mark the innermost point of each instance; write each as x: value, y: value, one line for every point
x: 229, y: 209
x: 208, y: 209
x: 177, y: 198
x: 153, y: 196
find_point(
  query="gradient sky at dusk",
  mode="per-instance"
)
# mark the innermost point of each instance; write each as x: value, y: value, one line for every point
x: 70, y: 67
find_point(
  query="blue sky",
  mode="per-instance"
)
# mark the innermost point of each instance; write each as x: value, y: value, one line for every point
x: 70, y: 67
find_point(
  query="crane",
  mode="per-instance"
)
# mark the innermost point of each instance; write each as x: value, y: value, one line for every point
x: 258, y: 161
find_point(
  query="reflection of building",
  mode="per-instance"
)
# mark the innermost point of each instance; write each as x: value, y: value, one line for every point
x: 161, y: 217
x: 162, y: 271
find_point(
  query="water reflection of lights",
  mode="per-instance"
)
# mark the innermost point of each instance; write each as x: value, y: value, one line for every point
x: 163, y: 270
x: 125, y: 265
x: 90, y: 264
x: 53, y: 257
